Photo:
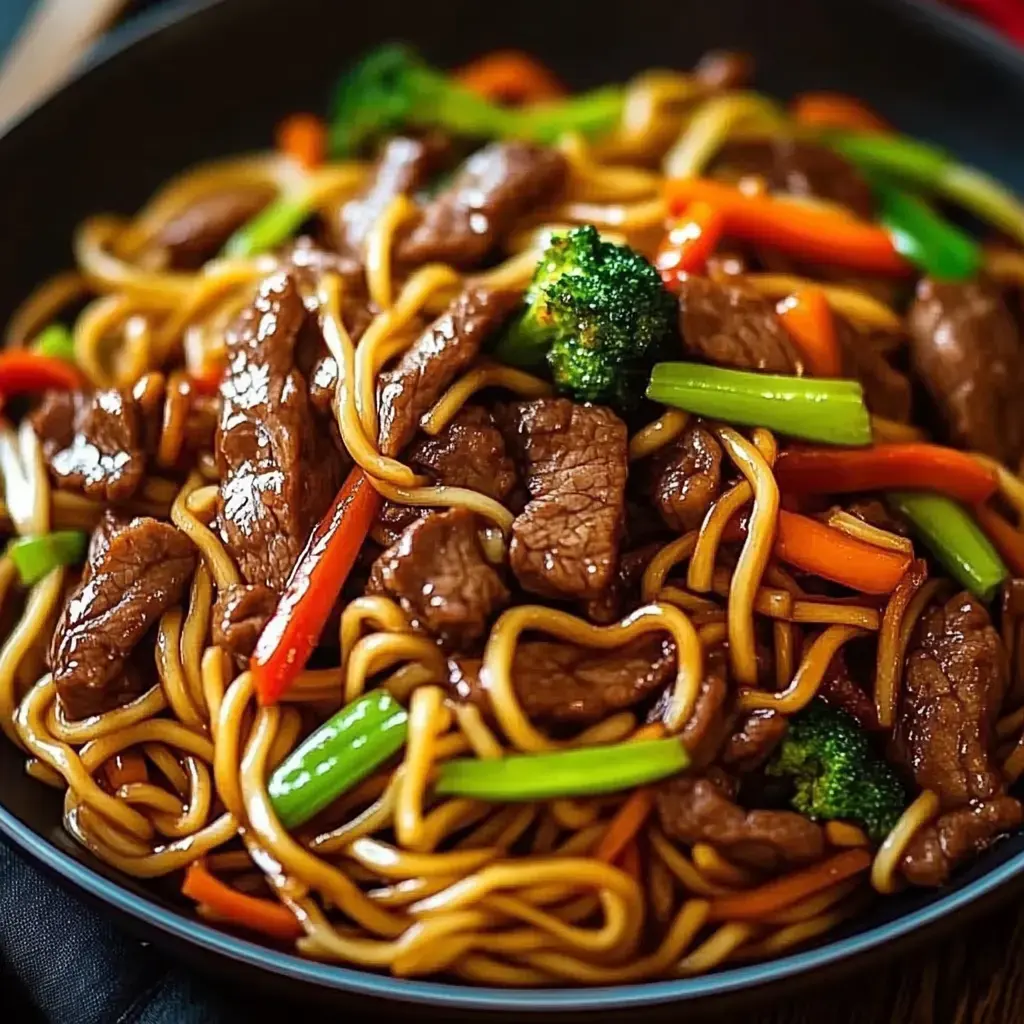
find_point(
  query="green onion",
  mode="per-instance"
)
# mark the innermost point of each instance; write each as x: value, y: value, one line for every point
x: 955, y: 539
x: 926, y: 239
x: 340, y: 754
x: 583, y: 772
x: 829, y: 411
x: 36, y: 557
x: 272, y: 226
x: 55, y: 341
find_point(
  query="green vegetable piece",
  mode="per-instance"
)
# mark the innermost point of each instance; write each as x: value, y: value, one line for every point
x: 583, y: 772
x: 829, y: 411
x: 836, y: 772
x: 394, y: 88
x: 56, y: 341
x: 926, y: 239
x: 341, y: 753
x: 271, y: 227
x: 598, y: 313
x: 954, y: 537
x: 37, y: 557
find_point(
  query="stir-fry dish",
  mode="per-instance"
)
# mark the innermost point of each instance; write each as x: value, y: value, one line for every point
x: 524, y: 537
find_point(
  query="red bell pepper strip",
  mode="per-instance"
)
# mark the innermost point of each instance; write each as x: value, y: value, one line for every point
x: 809, y: 232
x: 23, y: 371
x: 807, y: 316
x: 689, y: 243
x: 912, y: 466
x: 294, y: 630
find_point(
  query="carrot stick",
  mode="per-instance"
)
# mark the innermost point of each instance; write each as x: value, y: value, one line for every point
x: 258, y: 915
x: 510, y: 76
x: 629, y: 861
x: 834, y: 555
x: 1005, y: 537
x: 689, y: 243
x: 807, y: 315
x: 124, y: 768
x: 836, y: 110
x: 303, y: 137
x: 626, y: 825
x: 909, y: 466
x: 784, y: 892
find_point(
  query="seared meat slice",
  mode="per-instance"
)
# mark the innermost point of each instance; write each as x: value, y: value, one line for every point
x: 239, y: 615
x: 687, y: 478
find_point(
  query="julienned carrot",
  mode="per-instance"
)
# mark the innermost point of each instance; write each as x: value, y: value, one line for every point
x: 833, y: 555
x: 303, y: 137
x: 689, y: 242
x: 264, y: 916
x: 836, y: 110
x: 810, y: 232
x: 124, y: 768
x: 510, y: 76
x: 784, y: 892
x: 625, y: 826
x: 911, y: 466
x: 1005, y: 537
x: 629, y: 861
x: 807, y: 315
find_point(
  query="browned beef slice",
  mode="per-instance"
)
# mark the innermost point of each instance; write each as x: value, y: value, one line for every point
x: 199, y: 232
x: 687, y: 478
x: 438, y: 574
x: 573, y: 459
x: 307, y: 261
x: 404, y: 166
x: 728, y: 324
x: 753, y: 740
x: 886, y: 390
x: 623, y: 595
x: 697, y: 811
x: 953, y: 685
x: 957, y: 836
x: 840, y: 689
x: 239, y: 615
x: 434, y: 360
x: 724, y: 69
x: 494, y: 188
x: 565, y: 683
x: 279, y: 469
x: 877, y: 513
x: 797, y: 166
x: 965, y: 347
x: 93, y: 443
x: 703, y: 729
x: 136, y: 570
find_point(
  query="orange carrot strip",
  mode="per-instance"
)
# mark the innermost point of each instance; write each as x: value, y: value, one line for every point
x: 784, y: 892
x: 511, y: 76
x: 625, y: 826
x: 690, y: 241
x: 1005, y: 537
x: 629, y: 861
x: 258, y: 915
x: 124, y: 768
x: 834, y: 555
x: 303, y: 137
x: 807, y: 315
x: 836, y: 110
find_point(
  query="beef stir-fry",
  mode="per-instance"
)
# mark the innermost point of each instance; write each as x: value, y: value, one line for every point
x: 525, y: 537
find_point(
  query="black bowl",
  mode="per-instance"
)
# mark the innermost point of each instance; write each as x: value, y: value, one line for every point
x: 211, y: 79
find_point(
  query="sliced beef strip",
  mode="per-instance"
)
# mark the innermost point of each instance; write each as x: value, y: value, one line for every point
x: 753, y: 740
x: 495, y: 187
x: 965, y: 347
x: 727, y: 323
x: 887, y: 392
x: 573, y: 459
x: 438, y: 574
x: 136, y: 570
x: 434, y: 360
x: 623, y: 595
x: 839, y: 688
x: 279, y: 469
x: 957, y: 836
x: 404, y: 166
x: 306, y: 262
x: 199, y: 232
x: 687, y: 478
x: 696, y: 810
x: 239, y: 615
x: 562, y: 682
x: 702, y: 733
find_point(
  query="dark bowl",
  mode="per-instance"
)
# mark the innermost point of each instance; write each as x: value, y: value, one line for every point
x: 205, y: 80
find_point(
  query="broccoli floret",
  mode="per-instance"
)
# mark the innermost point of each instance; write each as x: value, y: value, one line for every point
x: 394, y: 88
x: 598, y: 312
x: 836, y: 772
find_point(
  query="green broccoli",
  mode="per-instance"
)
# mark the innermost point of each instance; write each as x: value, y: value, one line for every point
x: 598, y: 312
x: 837, y: 774
x: 394, y: 88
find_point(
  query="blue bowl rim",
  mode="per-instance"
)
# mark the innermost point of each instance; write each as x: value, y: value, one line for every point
x: 468, y: 997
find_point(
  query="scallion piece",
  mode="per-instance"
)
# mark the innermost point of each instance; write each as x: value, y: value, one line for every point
x: 829, y: 411
x: 36, y: 557
x: 271, y: 227
x: 341, y: 753
x: 584, y: 772
x: 55, y: 341
x: 956, y: 540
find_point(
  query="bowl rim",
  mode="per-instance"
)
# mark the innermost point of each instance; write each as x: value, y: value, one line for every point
x: 321, y: 975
